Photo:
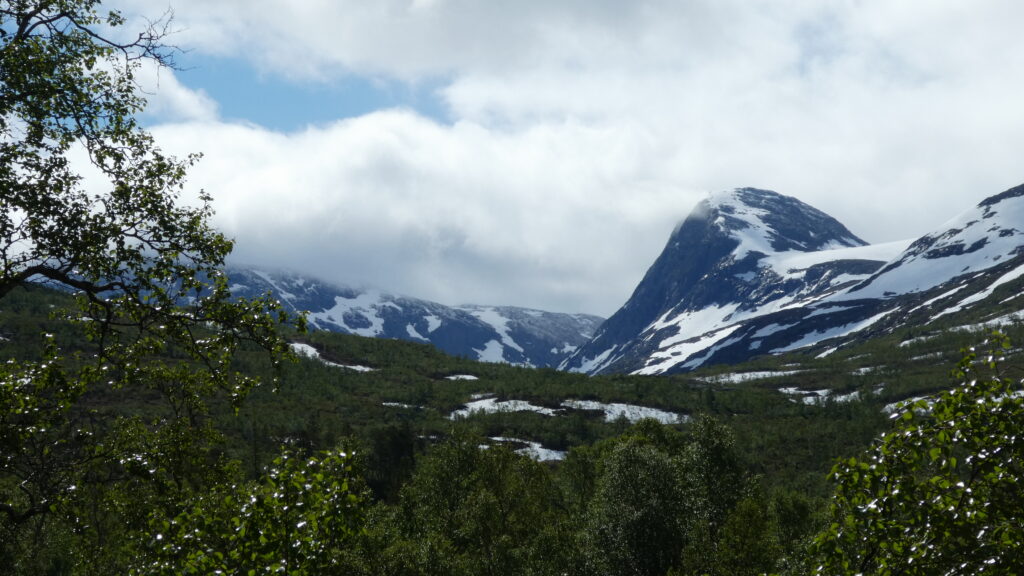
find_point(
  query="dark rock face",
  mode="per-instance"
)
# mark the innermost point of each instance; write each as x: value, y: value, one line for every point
x: 715, y: 259
x: 753, y: 272
x: 498, y: 334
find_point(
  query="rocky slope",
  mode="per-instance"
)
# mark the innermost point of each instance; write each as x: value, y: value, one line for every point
x: 488, y: 333
x: 752, y: 272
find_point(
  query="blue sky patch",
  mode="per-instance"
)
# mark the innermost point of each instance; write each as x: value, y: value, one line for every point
x: 246, y: 94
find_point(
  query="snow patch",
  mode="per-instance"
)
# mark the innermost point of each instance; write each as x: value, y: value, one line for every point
x: 492, y: 405
x: 411, y: 330
x: 794, y: 264
x: 772, y: 329
x: 533, y: 449
x: 633, y: 413
x: 820, y: 335
x: 917, y: 340
x: 818, y: 397
x: 494, y: 319
x: 433, y: 323
x: 1012, y: 318
x: 592, y: 365
x: 493, y: 352
x: 866, y: 370
x: 366, y: 305
x: 308, y: 351
x: 1009, y: 277
x: 666, y: 358
x: 740, y: 377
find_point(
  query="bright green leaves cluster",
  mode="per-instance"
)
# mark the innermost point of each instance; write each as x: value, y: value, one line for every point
x: 943, y: 493
x: 146, y: 266
x: 35, y: 399
x: 298, y: 519
x: 153, y: 309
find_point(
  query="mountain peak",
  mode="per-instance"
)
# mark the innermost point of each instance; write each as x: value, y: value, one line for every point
x: 488, y: 333
x: 738, y: 254
x: 765, y: 222
x: 1015, y: 192
x: 754, y: 272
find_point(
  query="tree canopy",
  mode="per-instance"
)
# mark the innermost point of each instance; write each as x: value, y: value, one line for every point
x: 941, y: 493
x: 152, y: 304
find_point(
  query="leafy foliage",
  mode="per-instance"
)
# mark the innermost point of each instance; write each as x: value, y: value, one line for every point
x: 298, y: 519
x: 941, y: 493
x: 637, y: 517
x: 152, y: 310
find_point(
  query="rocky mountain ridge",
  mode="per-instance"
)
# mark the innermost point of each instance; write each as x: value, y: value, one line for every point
x: 752, y: 271
x: 488, y: 333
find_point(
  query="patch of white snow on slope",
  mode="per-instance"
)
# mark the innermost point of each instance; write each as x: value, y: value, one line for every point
x: 794, y: 263
x: 917, y: 340
x: 566, y: 349
x: 772, y: 329
x: 740, y: 377
x: 533, y: 449
x: 674, y: 354
x: 367, y: 305
x: 937, y: 298
x: 595, y: 364
x: 866, y: 370
x: 413, y: 333
x: 839, y: 331
x: 633, y: 413
x: 493, y: 352
x: 433, y: 323
x: 975, y: 227
x: 818, y: 397
x: 309, y: 352
x: 1008, y: 277
x: 828, y: 309
x: 461, y: 377
x: 493, y: 318
x: 1012, y: 318
x: 492, y: 405
x: 809, y: 397
x: 305, y: 350
x: 693, y: 323
x: 269, y: 280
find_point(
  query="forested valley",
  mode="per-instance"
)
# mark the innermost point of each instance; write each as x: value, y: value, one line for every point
x: 152, y: 423
x: 359, y: 461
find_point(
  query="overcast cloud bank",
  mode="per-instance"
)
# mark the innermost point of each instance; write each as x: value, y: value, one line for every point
x: 578, y: 133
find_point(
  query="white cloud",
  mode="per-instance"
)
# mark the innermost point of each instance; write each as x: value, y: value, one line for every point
x: 168, y: 100
x: 582, y: 130
x: 455, y: 213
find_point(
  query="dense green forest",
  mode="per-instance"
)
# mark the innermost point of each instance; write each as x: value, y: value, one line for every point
x: 335, y: 469
x: 151, y: 423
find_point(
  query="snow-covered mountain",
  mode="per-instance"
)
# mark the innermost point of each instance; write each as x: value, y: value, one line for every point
x: 752, y: 272
x: 488, y: 333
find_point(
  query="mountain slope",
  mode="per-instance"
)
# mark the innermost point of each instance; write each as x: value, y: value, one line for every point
x: 489, y: 333
x: 738, y: 255
x: 752, y: 272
